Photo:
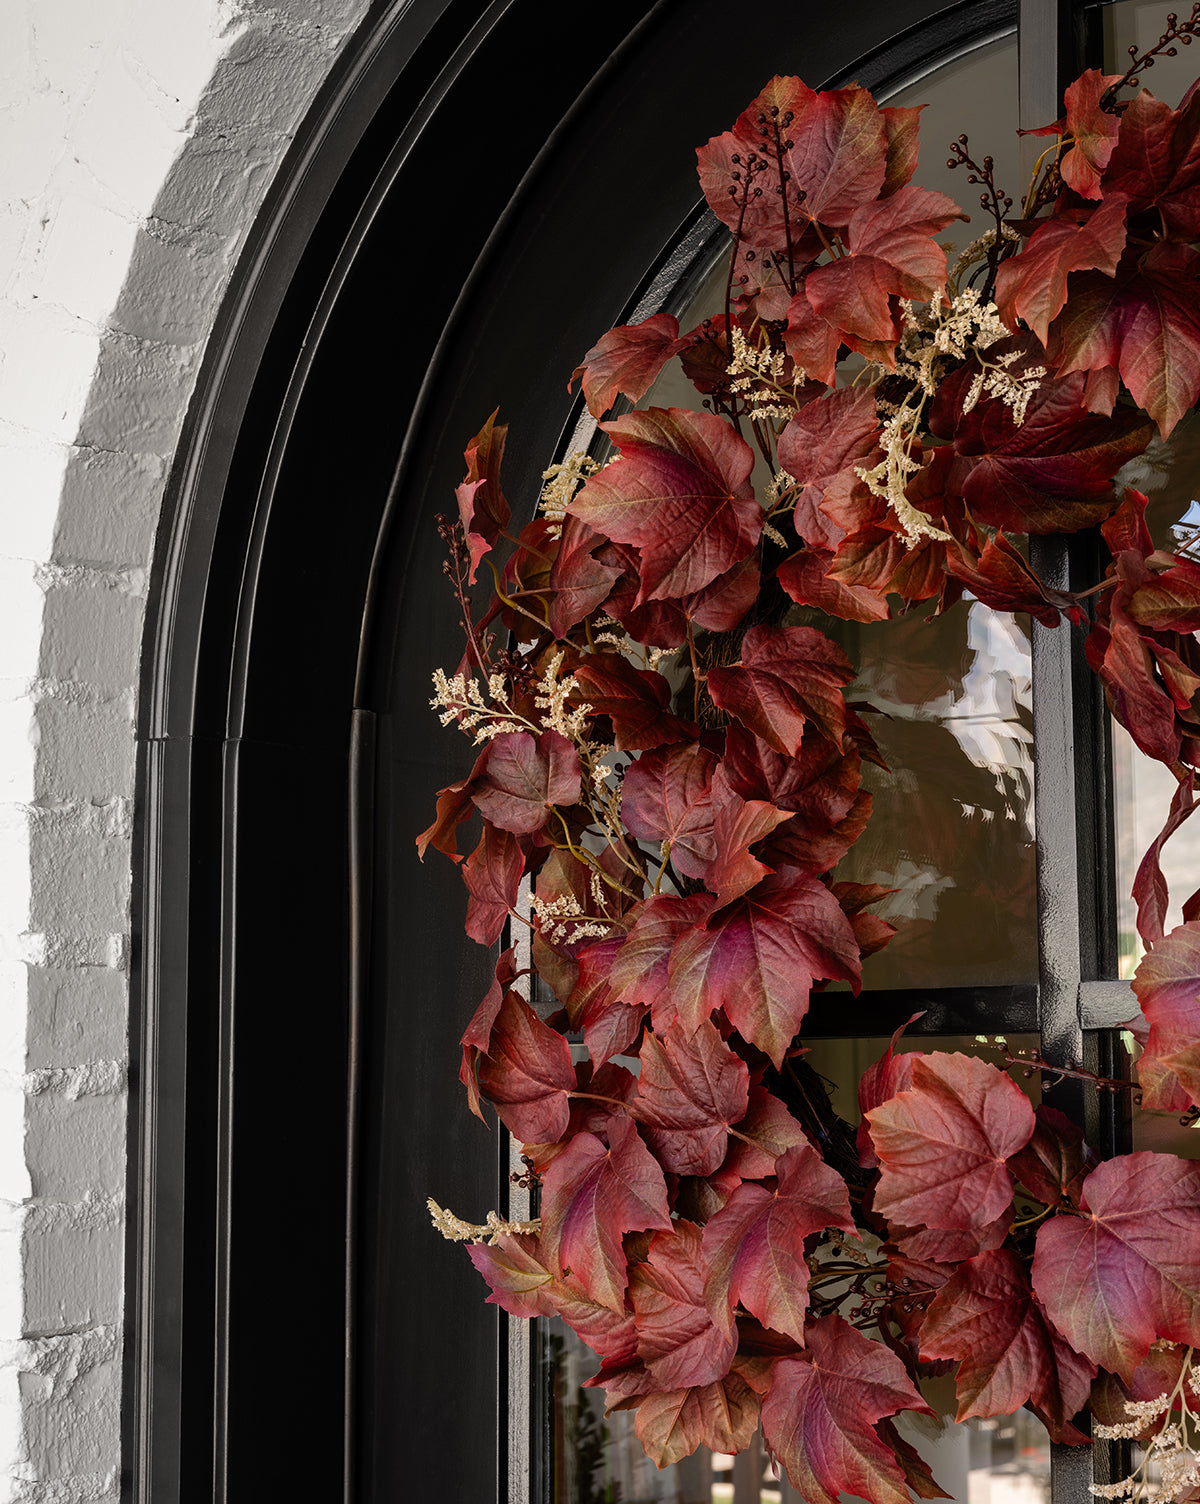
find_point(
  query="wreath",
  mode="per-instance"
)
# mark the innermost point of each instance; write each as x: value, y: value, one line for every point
x: 670, y: 774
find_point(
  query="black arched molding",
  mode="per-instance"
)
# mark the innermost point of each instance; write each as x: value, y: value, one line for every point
x: 480, y: 191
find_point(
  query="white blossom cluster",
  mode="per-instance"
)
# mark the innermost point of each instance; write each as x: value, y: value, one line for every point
x: 562, y: 482
x: 1170, y: 1464
x: 457, y: 1231
x: 757, y: 372
x: 934, y: 335
x: 552, y: 696
x: 461, y: 699
x: 564, y: 921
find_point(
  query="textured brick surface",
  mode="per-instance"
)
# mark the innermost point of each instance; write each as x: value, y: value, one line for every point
x: 137, y: 139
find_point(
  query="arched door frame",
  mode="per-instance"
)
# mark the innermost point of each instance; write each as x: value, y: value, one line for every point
x: 458, y: 151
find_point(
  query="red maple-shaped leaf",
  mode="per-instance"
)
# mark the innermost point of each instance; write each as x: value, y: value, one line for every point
x: 626, y: 359
x: 1167, y: 984
x: 680, y: 493
x: 819, y: 1416
x: 521, y: 778
x: 840, y: 153
x: 754, y: 1246
x: 478, y: 1033
x: 892, y: 253
x: 524, y: 1285
x: 1051, y: 473
x: 527, y: 1073
x: 787, y: 676
x: 677, y: 1341
x: 492, y: 874
x: 667, y: 796
x: 1149, y: 884
x: 1033, y: 285
x: 804, y: 576
x: 1000, y: 578
x: 767, y: 1131
x: 758, y: 959
x: 722, y: 1415
x: 1124, y: 1271
x: 822, y: 446
x: 482, y: 507
x: 737, y: 825
x: 634, y: 699
x: 987, y: 1319
x: 902, y: 124
x: 1156, y: 162
x: 943, y: 1144
x: 1055, y: 1162
x: 881, y: 1080
x: 640, y: 972
x: 1146, y: 323
x: 1093, y: 132
x: 692, y: 1087
x: 592, y: 1194
x: 578, y: 581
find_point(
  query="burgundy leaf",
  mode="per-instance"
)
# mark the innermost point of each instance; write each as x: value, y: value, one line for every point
x: 722, y: 1415
x: 739, y: 824
x: 692, y: 1087
x: 987, y: 1319
x: 627, y: 359
x: 677, y: 1341
x: 526, y: 1072
x: 819, y: 1417
x: 1167, y: 985
x: 787, y: 676
x: 1033, y: 285
x: 943, y: 1143
x: 1125, y: 1271
x: 1000, y: 578
x: 680, y: 492
x: 1054, y: 1162
x: 758, y: 958
x: 1093, y: 131
x: 634, y: 699
x: 482, y: 508
x: 804, y: 578
x: 821, y: 447
x: 771, y: 1131
x: 492, y: 874
x: 754, y: 1246
x: 1149, y: 885
x: 522, y: 778
x: 591, y: 1195
x: 881, y: 1080
x: 640, y: 972
x: 578, y: 581
x: 667, y: 796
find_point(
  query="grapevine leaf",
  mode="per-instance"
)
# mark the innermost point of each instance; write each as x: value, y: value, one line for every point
x: 640, y: 971
x: 492, y: 874
x: 804, y: 578
x: 526, y: 1072
x: 1124, y: 1271
x: 943, y: 1143
x: 1167, y: 985
x: 578, y: 581
x: 881, y: 1080
x: 758, y: 958
x: 667, y: 796
x: 482, y: 507
x: 821, y: 447
x: 892, y: 253
x: 1146, y: 322
x: 591, y: 1195
x: 1094, y: 133
x: 1000, y: 578
x: 678, y: 1343
x: 1149, y: 885
x: 626, y: 359
x: 680, y: 492
x: 902, y: 124
x: 987, y: 1319
x: 521, y: 778
x: 787, y: 676
x: 820, y: 1414
x: 1157, y: 163
x: 772, y: 1131
x: 722, y: 1415
x: 1033, y: 285
x: 1053, y: 1164
x: 754, y: 1246
x: 739, y: 824
x: 692, y: 1087
x: 634, y: 699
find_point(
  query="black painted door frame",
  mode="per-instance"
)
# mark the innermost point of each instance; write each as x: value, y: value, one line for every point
x: 445, y: 234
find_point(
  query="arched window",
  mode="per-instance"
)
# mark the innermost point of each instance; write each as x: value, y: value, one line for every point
x: 444, y: 239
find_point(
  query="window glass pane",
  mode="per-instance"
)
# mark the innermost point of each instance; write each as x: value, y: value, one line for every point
x: 1140, y: 23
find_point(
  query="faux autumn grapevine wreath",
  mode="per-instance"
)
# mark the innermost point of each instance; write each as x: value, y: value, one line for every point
x: 668, y: 754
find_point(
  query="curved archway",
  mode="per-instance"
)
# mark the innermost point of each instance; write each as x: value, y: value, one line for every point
x: 296, y: 1050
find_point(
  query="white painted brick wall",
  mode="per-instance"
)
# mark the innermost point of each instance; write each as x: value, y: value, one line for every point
x: 137, y: 138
